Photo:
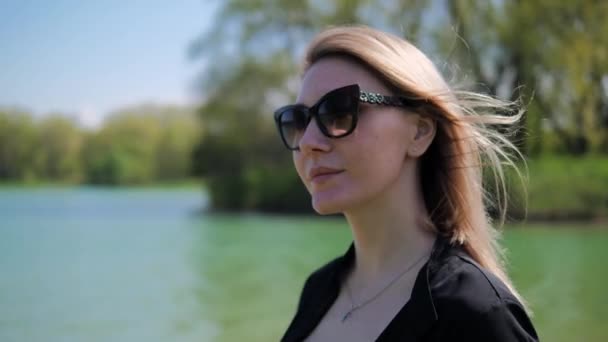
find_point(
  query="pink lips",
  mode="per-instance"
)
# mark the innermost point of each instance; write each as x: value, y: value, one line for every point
x: 322, y: 174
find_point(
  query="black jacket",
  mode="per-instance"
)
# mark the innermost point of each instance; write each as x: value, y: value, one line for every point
x: 453, y: 299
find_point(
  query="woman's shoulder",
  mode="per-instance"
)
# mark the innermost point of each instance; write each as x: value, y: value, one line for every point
x: 462, y: 283
x: 469, y: 300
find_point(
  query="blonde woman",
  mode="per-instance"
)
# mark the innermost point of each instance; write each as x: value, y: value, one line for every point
x: 379, y: 136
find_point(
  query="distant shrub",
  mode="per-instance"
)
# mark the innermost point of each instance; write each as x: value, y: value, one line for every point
x: 563, y: 188
x: 277, y: 189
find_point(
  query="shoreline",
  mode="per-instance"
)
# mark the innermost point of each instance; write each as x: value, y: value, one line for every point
x: 557, y: 218
x: 184, y: 184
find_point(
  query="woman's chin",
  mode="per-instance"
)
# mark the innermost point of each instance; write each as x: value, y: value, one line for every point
x: 324, y: 210
x: 327, y: 206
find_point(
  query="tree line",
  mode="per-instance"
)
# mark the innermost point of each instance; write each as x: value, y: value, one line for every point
x: 551, y: 54
x: 137, y: 145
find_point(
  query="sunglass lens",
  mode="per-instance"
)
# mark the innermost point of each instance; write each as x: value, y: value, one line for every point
x: 337, y: 114
x: 293, y: 122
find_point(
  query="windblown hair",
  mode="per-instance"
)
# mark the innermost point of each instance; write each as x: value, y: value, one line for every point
x: 466, y: 143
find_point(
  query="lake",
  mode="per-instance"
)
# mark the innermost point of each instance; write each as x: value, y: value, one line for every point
x: 98, y: 264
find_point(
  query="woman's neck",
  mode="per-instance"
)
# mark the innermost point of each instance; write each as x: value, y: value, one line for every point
x: 389, y: 232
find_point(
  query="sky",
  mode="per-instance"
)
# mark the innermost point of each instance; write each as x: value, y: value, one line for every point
x: 87, y: 58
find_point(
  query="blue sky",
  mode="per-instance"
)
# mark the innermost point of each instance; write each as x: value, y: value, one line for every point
x: 87, y: 58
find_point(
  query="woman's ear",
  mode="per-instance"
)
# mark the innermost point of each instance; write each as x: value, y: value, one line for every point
x: 425, y: 132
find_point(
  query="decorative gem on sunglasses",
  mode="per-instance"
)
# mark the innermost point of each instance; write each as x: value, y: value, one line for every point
x: 363, y: 97
x: 374, y: 98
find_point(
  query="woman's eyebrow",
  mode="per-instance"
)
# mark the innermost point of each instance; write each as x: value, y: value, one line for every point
x: 301, y: 104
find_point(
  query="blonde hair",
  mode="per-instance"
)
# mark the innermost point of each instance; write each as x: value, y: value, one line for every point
x: 465, y: 145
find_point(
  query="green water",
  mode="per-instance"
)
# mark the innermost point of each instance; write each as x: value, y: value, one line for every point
x: 92, y: 264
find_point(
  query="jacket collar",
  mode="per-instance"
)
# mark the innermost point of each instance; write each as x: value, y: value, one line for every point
x: 419, y: 312
x: 420, y: 309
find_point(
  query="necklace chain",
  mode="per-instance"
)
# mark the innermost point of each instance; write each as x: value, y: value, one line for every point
x: 354, y: 307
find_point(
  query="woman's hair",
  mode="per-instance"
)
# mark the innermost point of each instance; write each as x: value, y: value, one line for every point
x: 466, y: 143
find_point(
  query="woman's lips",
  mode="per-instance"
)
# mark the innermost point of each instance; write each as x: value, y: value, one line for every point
x: 321, y: 176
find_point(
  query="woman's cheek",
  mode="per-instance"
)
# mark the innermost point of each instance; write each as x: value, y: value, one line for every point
x: 299, y: 166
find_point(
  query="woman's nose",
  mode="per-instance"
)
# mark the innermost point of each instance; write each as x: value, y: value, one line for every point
x: 313, y: 139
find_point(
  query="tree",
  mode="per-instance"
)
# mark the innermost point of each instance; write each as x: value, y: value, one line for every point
x: 59, y: 144
x: 18, y: 134
x: 553, y: 53
x: 180, y: 132
x: 142, y: 144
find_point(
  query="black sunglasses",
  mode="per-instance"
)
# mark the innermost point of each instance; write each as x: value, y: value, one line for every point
x: 336, y: 113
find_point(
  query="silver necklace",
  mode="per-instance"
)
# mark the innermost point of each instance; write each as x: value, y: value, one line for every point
x: 354, y: 307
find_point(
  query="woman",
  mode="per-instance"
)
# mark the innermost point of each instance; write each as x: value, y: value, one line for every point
x: 378, y: 136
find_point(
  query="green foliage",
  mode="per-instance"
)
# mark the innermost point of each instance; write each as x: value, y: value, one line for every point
x: 60, y: 143
x: 179, y: 134
x: 240, y: 149
x: 563, y: 187
x: 556, y: 50
x: 141, y: 145
x: 559, y: 187
x: 134, y: 146
x: 228, y: 190
x: 274, y: 191
x: 556, y: 187
x: 18, y: 144
x: 221, y: 165
x: 124, y: 150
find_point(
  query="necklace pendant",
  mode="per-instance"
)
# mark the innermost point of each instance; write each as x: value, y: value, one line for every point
x: 347, y: 316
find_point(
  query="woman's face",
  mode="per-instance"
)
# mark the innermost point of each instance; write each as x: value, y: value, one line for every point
x: 347, y: 173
